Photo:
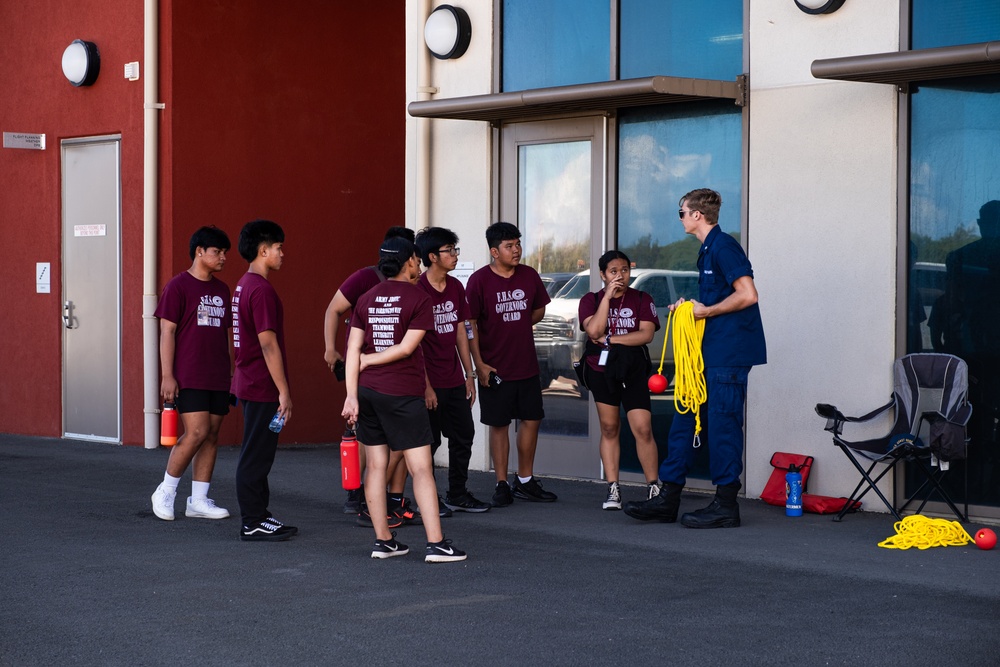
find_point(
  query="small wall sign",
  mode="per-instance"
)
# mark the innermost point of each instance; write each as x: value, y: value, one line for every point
x: 27, y: 140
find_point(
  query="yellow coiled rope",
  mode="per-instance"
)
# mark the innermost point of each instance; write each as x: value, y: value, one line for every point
x: 923, y: 533
x: 690, y: 392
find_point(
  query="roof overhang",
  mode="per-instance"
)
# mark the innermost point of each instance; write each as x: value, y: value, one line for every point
x: 900, y: 68
x: 606, y: 96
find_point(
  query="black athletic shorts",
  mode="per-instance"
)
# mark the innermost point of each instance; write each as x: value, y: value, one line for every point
x: 631, y: 395
x: 513, y: 399
x: 203, y: 400
x: 397, y: 421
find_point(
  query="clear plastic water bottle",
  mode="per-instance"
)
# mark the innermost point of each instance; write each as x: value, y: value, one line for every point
x: 793, y: 491
x: 277, y: 422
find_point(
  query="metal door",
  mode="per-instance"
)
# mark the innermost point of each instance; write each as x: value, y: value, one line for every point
x: 91, y: 288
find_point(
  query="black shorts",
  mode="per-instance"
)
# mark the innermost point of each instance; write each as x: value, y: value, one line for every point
x: 203, y: 400
x: 397, y: 421
x: 633, y: 394
x: 513, y: 399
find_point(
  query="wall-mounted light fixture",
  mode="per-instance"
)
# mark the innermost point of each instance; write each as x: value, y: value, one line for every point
x: 81, y: 63
x: 819, y: 6
x: 448, y: 32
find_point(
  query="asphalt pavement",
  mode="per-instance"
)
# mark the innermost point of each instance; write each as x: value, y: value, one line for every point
x: 88, y: 576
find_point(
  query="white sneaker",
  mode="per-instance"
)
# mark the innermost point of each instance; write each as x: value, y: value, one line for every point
x: 614, y: 501
x: 163, y: 502
x: 204, y: 508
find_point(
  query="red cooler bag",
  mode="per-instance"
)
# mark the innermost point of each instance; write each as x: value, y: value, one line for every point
x: 774, y: 490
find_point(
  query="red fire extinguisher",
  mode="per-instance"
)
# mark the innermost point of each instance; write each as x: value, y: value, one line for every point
x: 168, y: 425
x: 350, y: 465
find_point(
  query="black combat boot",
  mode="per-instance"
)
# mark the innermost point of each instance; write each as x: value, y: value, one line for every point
x: 722, y: 512
x: 662, y: 507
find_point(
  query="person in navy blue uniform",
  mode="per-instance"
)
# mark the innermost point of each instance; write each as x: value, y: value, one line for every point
x: 733, y: 343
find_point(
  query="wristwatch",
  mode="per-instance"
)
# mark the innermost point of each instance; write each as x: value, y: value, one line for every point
x: 471, y: 375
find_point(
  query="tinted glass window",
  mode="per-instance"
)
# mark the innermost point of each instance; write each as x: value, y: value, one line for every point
x: 681, y: 38
x: 662, y: 155
x: 555, y: 42
x: 954, y: 268
x: 939, y: 23
x: 656, y: 287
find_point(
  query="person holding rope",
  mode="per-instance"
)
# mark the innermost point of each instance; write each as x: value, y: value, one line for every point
x: 620, y: 322
x: 733, y: 342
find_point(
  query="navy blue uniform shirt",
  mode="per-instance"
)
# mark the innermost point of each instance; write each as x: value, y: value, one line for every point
x: 733, y: 339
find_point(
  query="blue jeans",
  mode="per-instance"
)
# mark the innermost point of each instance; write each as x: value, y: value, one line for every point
x: 721, y: 430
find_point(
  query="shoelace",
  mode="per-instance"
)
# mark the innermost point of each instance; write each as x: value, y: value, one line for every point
x: 614, y: 493
x: 654, y: 490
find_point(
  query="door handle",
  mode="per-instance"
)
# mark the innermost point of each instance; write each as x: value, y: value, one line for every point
x: 68, y: 315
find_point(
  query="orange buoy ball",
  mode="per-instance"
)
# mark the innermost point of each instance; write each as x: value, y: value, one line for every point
x: 986, y: 539
x: 657, y: 383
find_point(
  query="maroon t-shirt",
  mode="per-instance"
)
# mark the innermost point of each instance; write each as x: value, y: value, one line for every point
x: 502, y: 309
x: 200, y: 309
x: 385, y: 313
x: 444, y: 368
x: 624, y: 314
x: 357, y: 284
x: 256, y: 308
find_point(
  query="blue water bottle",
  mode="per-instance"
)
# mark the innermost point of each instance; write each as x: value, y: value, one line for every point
x: 793, y: 491
x: 277, y: 422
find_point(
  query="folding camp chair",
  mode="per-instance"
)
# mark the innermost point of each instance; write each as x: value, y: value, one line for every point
x: 930, y: 398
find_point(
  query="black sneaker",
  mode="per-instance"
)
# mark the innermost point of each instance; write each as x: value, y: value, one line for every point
x: 466, y: 502
x: 443, y: 510
x: 502, y: 496
x: 365, y: 520
x: 404, y: 512
x: 290, y: 529
x: 267, y: 530
x: 532, y: 490
x: 389, y: 548
x: 353, y: 503
x: 443, y: 552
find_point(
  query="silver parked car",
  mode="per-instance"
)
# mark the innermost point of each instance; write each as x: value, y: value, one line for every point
x: 559, y: 340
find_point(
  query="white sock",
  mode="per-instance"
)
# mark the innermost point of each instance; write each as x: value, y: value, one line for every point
x: 199, y: 489
x: 171, y: 482
x: 524, y: 480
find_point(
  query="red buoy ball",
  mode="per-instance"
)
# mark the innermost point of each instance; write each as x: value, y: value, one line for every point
x: 986, y: 539
x: 657, y: 383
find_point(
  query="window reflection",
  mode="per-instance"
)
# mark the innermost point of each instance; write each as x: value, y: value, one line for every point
x: 955, y: 255
x: 555, y: 43
x: 554, y: 194
x: 663, y: 154
x: 937, y: 23
x: 681, y: 38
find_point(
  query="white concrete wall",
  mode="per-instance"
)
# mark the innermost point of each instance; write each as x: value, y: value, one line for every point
x: 822, y: 233
x: 460, y: 164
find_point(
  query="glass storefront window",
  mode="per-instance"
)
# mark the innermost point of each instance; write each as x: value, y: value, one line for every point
x: 937, y: 23
x: 664, y: 153
x: 555, y: 43
x: 681, y: 38
x: 954, y: 267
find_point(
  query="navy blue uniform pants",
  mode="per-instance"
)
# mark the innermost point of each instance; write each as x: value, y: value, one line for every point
x: 721, y: 430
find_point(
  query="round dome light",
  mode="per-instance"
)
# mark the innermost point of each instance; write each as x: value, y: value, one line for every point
x: 448, y: 32
x: 81, y: 63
